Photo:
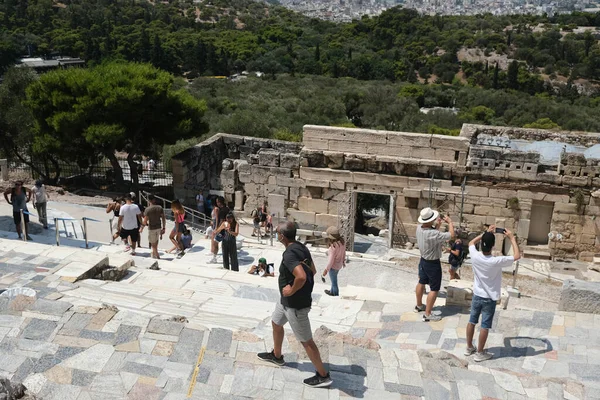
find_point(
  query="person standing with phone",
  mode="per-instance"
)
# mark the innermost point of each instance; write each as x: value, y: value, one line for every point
x: 230, y: 229
x: 487, y: 286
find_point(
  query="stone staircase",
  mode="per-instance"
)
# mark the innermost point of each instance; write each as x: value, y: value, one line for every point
x: 539, y: 252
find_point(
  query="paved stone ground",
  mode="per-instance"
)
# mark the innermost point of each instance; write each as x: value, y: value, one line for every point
x: 67, y: 345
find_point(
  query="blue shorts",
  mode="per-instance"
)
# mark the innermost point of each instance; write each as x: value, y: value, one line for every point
x: 484, y: 307
x: 454, y: 267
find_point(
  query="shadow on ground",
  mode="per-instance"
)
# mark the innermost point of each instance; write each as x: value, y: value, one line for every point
x: 349, y: 379
x: 521, y: 346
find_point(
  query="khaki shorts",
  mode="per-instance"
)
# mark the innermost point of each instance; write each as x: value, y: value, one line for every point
x: 153, y: 236
x: 298, y: 319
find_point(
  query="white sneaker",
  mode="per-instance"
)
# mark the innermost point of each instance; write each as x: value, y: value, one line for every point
x: 431, y: 317
x: 484, y: 355
x: 470, y: 351
x: 213, y: 260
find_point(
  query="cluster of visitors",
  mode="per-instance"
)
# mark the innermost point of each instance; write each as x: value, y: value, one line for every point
x: 487, y: 273
x: 261, y: 220
x: 18, y: 196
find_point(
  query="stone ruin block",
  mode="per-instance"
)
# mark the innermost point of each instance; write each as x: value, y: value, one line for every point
x: 574, y: 159
x: 488, y: 163
x: 460, y: 293
x: 590, y: 171
x: 582, y: 181
x: 593, y: 162
x: 227, y: 164
x: 521, y: 156
x: 286, y: 147
x: 288, y: 160
x: 580, y: 296
x: 312, y: 158
x: 571, y: 170
x: 334, y: 159
x: 530, y: 168
x: 268, y: 158
x: 474, y: 162
x: 253, y: 159
x: 354, y: 163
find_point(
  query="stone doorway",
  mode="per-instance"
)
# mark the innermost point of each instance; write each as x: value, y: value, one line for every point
x: 541, y: 220
x: 372, y: 223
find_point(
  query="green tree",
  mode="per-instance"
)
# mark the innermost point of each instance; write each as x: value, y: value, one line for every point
x: 126, y: 107
x: 543, y: 123
x: 477, y: 114
x: 512, y: 76
x: 16, y: 120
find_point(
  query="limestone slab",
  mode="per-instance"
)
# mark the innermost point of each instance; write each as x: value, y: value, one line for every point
x: 93, y: 359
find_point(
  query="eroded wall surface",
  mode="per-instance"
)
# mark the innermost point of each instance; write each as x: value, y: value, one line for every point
x: 504, y: 186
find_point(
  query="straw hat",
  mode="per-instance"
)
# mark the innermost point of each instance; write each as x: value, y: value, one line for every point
x: 428, y: 215
x: 333, y: 233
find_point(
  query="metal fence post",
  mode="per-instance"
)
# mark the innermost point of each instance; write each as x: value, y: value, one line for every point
x: 65, y: 227
x: 74, y: 230
x: 85, y: 236
x: 57, y: 232
x: 23, y: 230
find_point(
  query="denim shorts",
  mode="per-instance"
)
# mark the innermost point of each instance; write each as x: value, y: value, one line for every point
x: 484, y: 307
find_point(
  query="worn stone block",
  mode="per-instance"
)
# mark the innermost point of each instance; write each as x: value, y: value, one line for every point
x: 580, y: 296
x: 291, y: 161
x: 322, y: 174
x: 314, y: 205
x: 450, y: 142
x: 337, y: 185
x: 565, y: 208
x: 326, y: 220
x: 334, y: 159
x: 354, y: 163
x: 277, y: 203
x: 444, y: 154
x: 581, y: 181
x: 302, y: 217
x: 409, y: 139
x: 315, y: 143
x: 269, y: 158
x: 316, y: 183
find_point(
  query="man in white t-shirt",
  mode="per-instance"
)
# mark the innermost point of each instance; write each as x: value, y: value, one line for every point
x: 129, y: 218
x: 487, y: 286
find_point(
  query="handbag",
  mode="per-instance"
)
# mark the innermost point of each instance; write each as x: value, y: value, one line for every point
x: 219, y: 237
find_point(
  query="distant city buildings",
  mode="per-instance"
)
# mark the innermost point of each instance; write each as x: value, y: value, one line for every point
x: 347, y: 10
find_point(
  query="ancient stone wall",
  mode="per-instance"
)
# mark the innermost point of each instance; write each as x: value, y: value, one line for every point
x: 308, y: 181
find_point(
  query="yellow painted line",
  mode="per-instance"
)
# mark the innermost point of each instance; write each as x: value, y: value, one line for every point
x: 195, y: 374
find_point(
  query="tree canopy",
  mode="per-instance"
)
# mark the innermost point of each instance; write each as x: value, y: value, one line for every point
x: 81, y: 114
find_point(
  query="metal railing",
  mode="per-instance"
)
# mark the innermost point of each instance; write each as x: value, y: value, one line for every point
x: 194, y: 219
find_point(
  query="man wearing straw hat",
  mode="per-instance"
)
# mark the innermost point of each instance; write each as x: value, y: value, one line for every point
x: 430, y: 241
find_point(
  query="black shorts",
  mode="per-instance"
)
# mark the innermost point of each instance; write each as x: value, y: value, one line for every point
x: 17, y: 217
x: 430, y: 273
x: 134, y: 234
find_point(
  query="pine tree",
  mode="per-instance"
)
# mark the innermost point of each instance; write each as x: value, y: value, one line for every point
x: 496, y: 72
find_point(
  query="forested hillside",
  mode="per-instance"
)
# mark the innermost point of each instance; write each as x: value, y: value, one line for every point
x: 219, y: 37
x: 375, y: 72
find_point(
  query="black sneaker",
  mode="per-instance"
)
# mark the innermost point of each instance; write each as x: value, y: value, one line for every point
x: 420, y: 308
x: 318, y: 381
x: 270, y: 357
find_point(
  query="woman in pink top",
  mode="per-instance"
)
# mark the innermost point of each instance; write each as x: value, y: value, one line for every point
x: 337, y: 259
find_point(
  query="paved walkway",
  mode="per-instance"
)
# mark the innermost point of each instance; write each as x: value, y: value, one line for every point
x: 193, y: 328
